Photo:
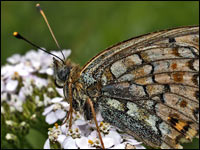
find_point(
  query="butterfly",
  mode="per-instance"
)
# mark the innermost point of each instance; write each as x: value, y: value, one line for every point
x: 146, y: 86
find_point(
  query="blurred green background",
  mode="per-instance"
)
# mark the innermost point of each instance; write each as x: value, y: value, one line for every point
x: 88, y: 27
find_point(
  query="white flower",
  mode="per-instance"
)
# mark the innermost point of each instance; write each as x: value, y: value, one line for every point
x: 93, y: 139
x: 119, y: 146
x: 38, y: 102
x: 23, y: 67
x: 14, y: 59
x: 47, y: 144
x: 47, y: 100
x: 82, y: 142
x: 39, y: 82
x: 27, y: 89
x: 15, y: 103
x: 20, y: 69
x: 42, y: 62
x: 54, y: 133
x: 33, y: 117
x: 52, y: 117
x: 69, y: 137
x: 60, y: 91
x: 9, y: 122
x: 23, y: 124
x: 80, y: 136
x: 115, y: 136
x: 64, y: 51
x: 38, y: 59
x: 11, y: 85
x: 104, y: 127
x: 108, y: 140
x: 61, y: 138
x: 56, y: 111
x: 10, y: 136
x: 69, y: 143
x: 6, y: 71
x: 50, y: 89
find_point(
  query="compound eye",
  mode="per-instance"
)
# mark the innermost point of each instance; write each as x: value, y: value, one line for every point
x: 63, y: 74
x: 58, y: 84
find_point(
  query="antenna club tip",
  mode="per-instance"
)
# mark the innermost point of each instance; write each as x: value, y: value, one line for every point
x: 37, y: 5
x: 15, y: 33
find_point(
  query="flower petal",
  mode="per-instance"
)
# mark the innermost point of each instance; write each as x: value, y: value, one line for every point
x: 49, y: 71
x: 61, y: 138
x: 60, y: 91
x: 116, y: 137
x: 93, y: 135
x: 64, y: 129
x: 51, y: 118
x: 82, y: 142
x: 23, y: 73
x: 39, y: 82
x: 69, y: 143
x: 119, y: 146
x: 80, y: 122
x: 108, y: 142
x: 67, y: 52
x: 60, y: 114
x: 65, y: 105
x: 47, y: 110
x: 56, y: 99
x: 47, y: 144
x: 36, y: 64
x: 16, y: 58
x: 99, y: 117
x: 7, y: 71
x: 11, y: 85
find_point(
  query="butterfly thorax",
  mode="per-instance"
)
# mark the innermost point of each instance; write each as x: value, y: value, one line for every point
x: 81, y: 92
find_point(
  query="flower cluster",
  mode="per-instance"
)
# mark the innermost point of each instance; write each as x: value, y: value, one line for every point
x: 83, y: 135
x: 26, y: 89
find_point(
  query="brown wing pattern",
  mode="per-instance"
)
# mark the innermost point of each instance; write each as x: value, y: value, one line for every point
x: 148, y: 86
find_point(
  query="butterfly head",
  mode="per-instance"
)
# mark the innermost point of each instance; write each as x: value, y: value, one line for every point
x: 61, y: 72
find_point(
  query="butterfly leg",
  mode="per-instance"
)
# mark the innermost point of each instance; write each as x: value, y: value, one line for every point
x: 70, y: 103
x: 66, y: 118
x: 69, y: 114
x: 95, y: 120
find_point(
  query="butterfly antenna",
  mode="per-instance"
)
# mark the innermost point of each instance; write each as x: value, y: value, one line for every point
x: 52, y: 34
x: 17, y: 35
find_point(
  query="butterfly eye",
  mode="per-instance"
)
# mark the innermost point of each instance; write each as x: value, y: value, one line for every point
x: 63, y: 74
x: 58, y: 84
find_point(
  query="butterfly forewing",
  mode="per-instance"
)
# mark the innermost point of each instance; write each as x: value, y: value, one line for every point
x: 148, y: 86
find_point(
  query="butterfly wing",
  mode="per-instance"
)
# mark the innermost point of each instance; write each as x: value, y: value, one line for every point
x: 148, y: 86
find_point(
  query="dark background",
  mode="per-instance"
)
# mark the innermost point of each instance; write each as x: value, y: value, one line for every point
x: 88, y: 27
